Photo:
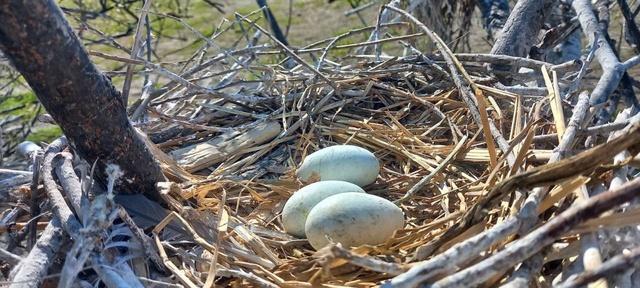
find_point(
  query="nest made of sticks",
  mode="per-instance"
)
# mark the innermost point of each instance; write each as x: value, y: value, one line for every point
x: 475, y: 166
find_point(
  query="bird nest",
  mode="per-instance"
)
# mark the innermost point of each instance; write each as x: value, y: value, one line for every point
x: 456, y: 163
x: 491, y: 178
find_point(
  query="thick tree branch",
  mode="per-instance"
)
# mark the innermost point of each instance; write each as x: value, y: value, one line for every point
x: 43, y: 47
x: 520, y: 32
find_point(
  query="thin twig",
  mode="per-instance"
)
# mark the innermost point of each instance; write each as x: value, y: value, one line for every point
x: 412, y: 192
x: 134, y: 50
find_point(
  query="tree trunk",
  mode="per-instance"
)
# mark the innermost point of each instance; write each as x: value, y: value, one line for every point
x: 43, y: 47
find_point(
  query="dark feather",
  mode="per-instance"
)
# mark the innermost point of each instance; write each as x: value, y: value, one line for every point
x: 146, y: 214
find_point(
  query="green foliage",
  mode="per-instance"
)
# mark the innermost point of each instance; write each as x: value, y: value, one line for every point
x: 28, y: 101
x: 27, y: 106
x: 45, y: 134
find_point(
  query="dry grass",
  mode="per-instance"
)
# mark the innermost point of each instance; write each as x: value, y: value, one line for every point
x: 406, y: 110
x: 229, y: 131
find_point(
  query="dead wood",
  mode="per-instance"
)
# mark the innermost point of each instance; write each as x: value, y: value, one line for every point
x: 543, y: 236
x: 521, y: 30
x: 42, y: 46
x: 496, y: 180
x: 32, y: 270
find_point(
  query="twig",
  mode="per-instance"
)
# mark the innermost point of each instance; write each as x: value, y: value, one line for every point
x: 59, y: 206
x: 100, y: 33
x: 245, y: 275
x: 292, y: 54
x: 33, y: 269
x: 522, y: 276
x: 591, y: 255
x: 583, y: 71
x: 451, y: 258
x: 70, y: 183
x: 631, y: 62
x: 615, y: 265
x: 10, y: 258
x: 412, y: 192
x: 12, y: 183
x: 533, y: 242
x: 383, y: 17
x: 611, y: 67
x: 134, y: 50
x: 332, y: 252
x: 593, y: 130
x: 362, y: 7
x: 528, y: 213
x: 514, y: 61
x: 34, y: 208
x: 539, y: 176
x: 222, y: 225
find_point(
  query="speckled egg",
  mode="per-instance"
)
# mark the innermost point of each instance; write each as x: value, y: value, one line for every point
x: 341, y: 162
x: 295, y: 211
x: 353, y: 219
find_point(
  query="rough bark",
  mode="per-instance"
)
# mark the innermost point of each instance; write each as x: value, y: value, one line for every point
x: 522, y: 29
x: 612, y: 69
x: 494, y: 15
x: 41, y: 44
x: 33, y: 269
